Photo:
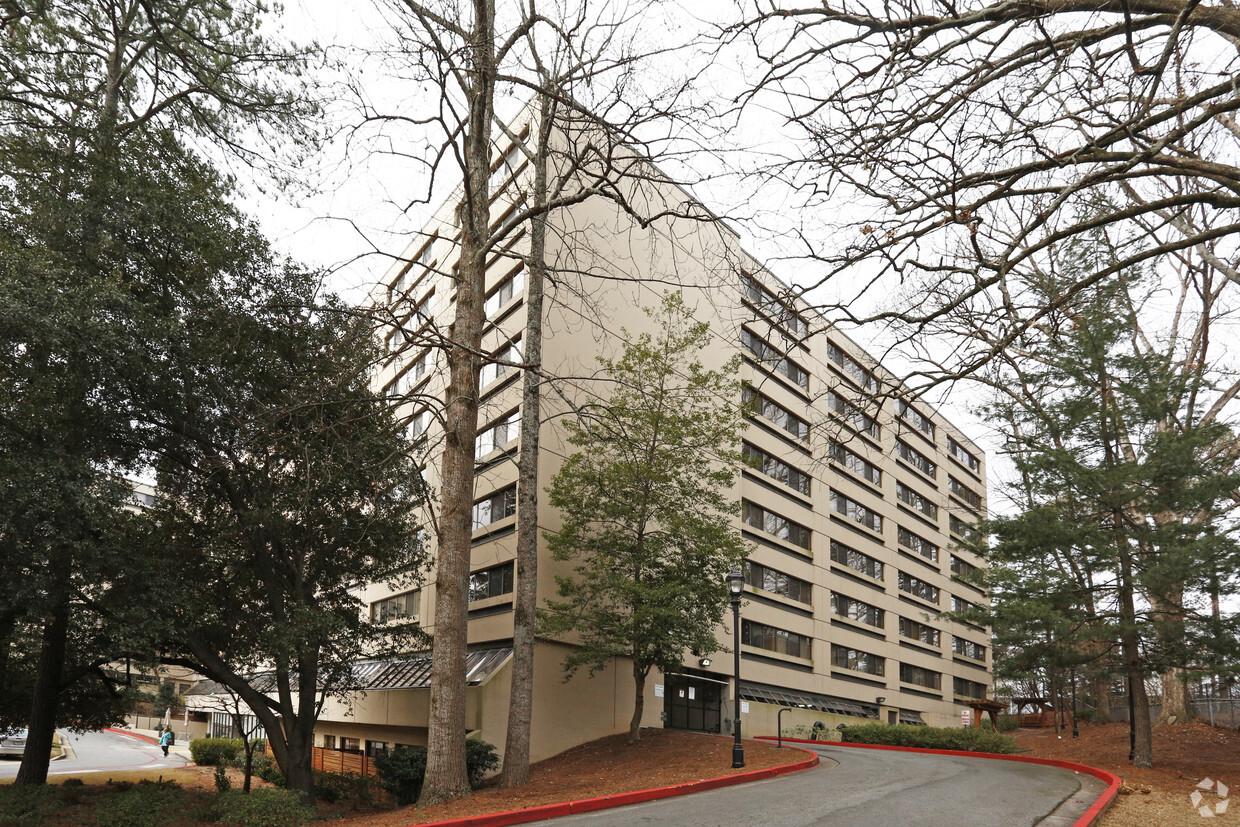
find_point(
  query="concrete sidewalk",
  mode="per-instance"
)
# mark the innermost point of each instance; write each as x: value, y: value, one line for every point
x: 181, y: 747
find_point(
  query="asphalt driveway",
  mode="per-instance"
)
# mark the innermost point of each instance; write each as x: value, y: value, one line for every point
x: 876, y: 788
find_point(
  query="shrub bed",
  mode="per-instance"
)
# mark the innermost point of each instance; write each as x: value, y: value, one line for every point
x: 263, y: 808
x: 401, y: 771
x: 965, y: 739
x: 210, y: 752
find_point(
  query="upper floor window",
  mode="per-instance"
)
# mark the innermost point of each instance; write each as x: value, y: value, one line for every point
x: 915, y: 458
x: 773, y: 308
x: 775, y: 468
x: 858, y: 661
x: 496, y: 507
x: 918, y: 544
x: 852, y: 368
x: 856, y: 560
x: 963, y: 456
x: 504, y: 169
x: 775, y: 524
x: 959, y: 604
x: 965, y: 570
x: 916, y: 501
x: 491, y: 371
x: 490, y: 582
x: 967, y: 495
x: 853, y: 415
x: 775, y: 413
x: 777, y: 361
x: 915, y: 418
x: 918, y: 588
x: 776, y: 582
x: 856, y: 463
x: 968, y: 648
x: 422, y: 312
x: 761, y: 636
x: 397, y: 607
x: 961, y: 528
x: 856, y: 610
x: 418, y: 423
x: 503, y: 293
x: 920, y: 632
x: 855, y: 510
x: 499, y: 434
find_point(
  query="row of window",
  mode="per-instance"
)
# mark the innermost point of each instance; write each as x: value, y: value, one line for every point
x: 497, y: 506
x: 774, y: 413
x: 776, y: 525
x: 499, y: 434
x: 917, y: 544
x: 774, y: 309
x: 854, y: 369
x: 491, y: 371
x: 916, y: 501
x: 915, y: 458
x: 775, y: 358
x: 775, y: 468
x: 858, y: 419
x: 855, y: 463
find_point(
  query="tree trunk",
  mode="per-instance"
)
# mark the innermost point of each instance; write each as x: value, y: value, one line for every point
x: 639, y: 702
x: 1175, y: 708
x: 521, y: 694
x: 1143, y: 749
x: 46, y: 704
x: 1102, y: 700
x: 446, y: 776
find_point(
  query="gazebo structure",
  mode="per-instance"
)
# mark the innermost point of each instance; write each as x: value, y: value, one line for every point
x: 1041, y: 713
x: 991, y: 708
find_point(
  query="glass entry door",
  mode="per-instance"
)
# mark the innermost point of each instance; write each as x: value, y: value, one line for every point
x: 692, y: 703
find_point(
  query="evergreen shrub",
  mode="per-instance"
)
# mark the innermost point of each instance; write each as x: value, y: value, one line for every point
x: 209, y: 752
x: 965, y: 739
x: 263, y: 808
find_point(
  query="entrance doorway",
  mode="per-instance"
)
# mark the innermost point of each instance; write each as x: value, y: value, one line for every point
x: 693, y: 703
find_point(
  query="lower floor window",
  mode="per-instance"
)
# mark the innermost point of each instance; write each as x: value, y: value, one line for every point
x: 969, y: 689
x: 490, y: 582
x: 858, y: 661
x: 761, y: 636
x: 922, y: 677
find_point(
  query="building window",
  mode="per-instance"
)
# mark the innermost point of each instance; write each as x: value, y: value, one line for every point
x: 967, y: 495
x: 920, y: 545
x: 376, y: 748
x: 915, y: 458
x: 852, y: 367
x: 959, y: 604
x: 490, y: 582
x: 775, y: 468
x: 505, y: 168
x: 775, y: 413
x: 969, y: 689
x: 968, y: 649
x: 491, y: 371
x: 858, y: 661
x: 397, y: 607
x: 961, y: 528
x: 770, y: 306
x: 350, y: 745
x: 768, y: 521
x: 857, y: 561
x: 504, y: 430
x: 856, y: 511
x: 761, y: 636
x: 418, y: 423
x: 854, y: 416
x: 855, y: 463
x: 920, y: 632
x: 776, y: 582
x: 919, y: 421
x: 496, y: 507
x: 918, y: 588
x: 919, y: 676
x: 329, y: 742
x: 962, y: 456
x: 916, y: 501
x: 777, y: 361
x: 856, y: 610
x: 965, y: 570
x: 503, y: 293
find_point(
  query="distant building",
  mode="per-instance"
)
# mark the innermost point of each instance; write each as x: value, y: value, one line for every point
x: 852, y: 505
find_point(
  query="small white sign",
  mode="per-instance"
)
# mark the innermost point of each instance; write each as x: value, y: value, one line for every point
x: 658, y: 690
x: 744, y: 707
x: 966, y: 715
x: 692, y: 693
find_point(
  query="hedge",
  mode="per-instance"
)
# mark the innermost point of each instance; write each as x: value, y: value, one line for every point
x: 964, y: 739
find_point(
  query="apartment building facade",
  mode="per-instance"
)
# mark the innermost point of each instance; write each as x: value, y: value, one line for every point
x: 852, y: 498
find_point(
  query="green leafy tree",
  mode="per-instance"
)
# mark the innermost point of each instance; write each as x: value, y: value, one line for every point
x: 646, y: 507
x: 285, y: 481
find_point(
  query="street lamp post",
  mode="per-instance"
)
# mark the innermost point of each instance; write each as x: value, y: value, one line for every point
x: 1076, y: 731
x: 736, y: 585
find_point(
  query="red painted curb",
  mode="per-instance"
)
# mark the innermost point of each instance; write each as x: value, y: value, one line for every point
x: 1087, y: 819
x: 147, y: 737
x: 586, y: 805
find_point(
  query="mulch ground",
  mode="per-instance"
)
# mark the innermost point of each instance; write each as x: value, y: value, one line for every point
x: 1184, y: 756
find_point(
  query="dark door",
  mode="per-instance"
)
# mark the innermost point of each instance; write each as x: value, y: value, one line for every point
x: 692, y: 703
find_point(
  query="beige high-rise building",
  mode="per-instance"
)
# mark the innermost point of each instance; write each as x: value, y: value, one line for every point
x: 851, y: 503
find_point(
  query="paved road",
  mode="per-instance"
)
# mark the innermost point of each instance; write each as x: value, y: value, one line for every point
x: 103, y: 752
x: 870, y: 788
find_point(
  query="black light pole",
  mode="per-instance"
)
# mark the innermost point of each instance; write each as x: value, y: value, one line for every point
x: 1132, y: 722
x: 1076, y: 731
x: 779, y: 725
x: 736, y: 585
